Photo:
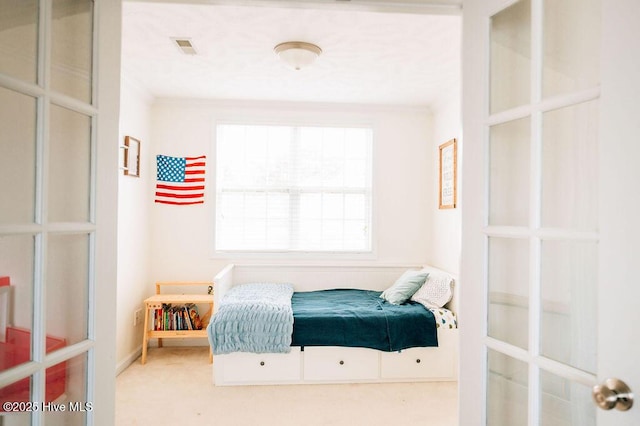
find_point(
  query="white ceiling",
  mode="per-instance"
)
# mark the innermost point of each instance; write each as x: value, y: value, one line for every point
x: 368, y: 57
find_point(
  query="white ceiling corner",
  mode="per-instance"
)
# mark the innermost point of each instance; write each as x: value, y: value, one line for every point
x: 368, y: 58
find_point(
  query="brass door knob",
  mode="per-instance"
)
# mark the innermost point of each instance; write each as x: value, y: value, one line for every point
x: 613, y: 393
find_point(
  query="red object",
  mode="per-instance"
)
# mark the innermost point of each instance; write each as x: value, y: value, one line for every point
x: 4, y: 281
x: 16, y: 351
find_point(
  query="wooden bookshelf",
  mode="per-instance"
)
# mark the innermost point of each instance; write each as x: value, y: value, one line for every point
x: 158, y: 300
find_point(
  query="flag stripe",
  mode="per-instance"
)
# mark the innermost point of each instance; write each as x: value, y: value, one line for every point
x: 177, y: 187
x: 174, y: 195
x: 198, y: 164
x: 179, y: 203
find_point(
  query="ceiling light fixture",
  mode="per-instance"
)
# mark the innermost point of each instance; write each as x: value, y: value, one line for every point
x: 297, y: 54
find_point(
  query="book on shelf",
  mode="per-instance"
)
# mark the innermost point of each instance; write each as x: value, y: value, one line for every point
x: 194, y: 316
x: 187, y: 318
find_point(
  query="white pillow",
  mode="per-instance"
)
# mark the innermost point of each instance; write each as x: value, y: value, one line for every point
x: 436, y: 291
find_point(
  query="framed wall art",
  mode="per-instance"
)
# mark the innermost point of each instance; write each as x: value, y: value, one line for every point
x: 131, y: 156
x: 448, y: 175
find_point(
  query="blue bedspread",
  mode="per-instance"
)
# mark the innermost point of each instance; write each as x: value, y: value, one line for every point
x: 360, y: 318
x: 255, y: 318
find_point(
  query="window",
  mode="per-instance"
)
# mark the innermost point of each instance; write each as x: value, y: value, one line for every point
x: 293, y: 189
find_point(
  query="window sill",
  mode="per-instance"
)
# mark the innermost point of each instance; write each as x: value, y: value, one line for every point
x: 295, y: 255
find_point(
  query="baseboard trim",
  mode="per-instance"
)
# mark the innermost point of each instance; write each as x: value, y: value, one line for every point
x: 122, y: 365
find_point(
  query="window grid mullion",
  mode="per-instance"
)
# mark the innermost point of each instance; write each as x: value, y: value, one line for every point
x: 267, y: 184
x: 294, y: 192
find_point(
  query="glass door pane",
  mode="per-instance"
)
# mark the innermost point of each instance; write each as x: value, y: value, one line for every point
x: 67, y: 385
x: 507, y: 390
x: 17, y: 157
x: 569, y: 276
x: 70, y: 166
x: 68, y: 287
x: 565, y: 403
x: 509, y: 159
x: 72, y: 47
x: 17, y: 394
x: 19, y: 39
x: 511, y: 57
x: 570, y: 167
x: 17, y: 260
x: 508, y: 310
x: 571, y: 46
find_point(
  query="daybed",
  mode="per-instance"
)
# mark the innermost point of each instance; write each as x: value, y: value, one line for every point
x: 311, y: 363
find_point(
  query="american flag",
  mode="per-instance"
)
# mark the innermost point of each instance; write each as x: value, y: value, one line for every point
x: 180, y: 180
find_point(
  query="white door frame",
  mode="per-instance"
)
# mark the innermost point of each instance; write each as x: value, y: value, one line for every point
x: 107, y: 62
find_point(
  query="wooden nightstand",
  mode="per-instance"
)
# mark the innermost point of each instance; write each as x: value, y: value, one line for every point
x: 158, y: 300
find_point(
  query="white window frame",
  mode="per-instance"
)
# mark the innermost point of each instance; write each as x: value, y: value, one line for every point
x: 319, y: 255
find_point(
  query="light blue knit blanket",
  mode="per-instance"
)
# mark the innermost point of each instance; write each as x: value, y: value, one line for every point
x: 254, y: 317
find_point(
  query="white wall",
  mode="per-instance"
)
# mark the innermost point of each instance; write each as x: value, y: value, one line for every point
x: 444, y: 226
x: 181, y: 241
x: 134, y: 226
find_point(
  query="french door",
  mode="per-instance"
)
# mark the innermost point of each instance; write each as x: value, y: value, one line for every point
x: 59, y: 86
x: 550, y: 208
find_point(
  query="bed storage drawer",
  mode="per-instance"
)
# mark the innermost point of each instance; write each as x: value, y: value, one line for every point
x: 437, y: 363
x: 254, y: 368
x: 337, y: 364
x: 414, y: 363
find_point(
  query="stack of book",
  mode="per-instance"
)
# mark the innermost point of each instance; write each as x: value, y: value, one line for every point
x: 177, y: 317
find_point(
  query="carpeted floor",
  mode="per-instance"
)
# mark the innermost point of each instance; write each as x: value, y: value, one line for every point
x: 175, y: 388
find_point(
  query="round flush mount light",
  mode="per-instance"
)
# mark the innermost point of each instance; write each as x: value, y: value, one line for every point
x: 297, y: 54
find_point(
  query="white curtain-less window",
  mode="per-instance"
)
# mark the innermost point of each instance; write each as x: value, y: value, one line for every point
x: 293, y: 189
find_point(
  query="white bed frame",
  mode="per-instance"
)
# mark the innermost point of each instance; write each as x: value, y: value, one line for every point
x: 331, y: 364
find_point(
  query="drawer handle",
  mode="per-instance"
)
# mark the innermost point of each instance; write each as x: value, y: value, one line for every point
x: 418, y: 361
x: 341, y: 362
x: 261, y: 363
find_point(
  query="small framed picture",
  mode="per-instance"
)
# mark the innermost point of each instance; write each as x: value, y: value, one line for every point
x: 131, y: 156
x: 448, y: 175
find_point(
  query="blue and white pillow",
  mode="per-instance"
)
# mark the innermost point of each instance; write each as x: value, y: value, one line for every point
x: 404, y: 287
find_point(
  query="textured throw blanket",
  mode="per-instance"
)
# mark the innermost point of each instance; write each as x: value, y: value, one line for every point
x: 254, y: 317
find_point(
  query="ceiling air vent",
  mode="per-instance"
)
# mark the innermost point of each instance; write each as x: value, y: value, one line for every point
x: 185, y: 45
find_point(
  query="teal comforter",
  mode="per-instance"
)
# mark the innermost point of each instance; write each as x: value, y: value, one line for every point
x: 360, y: 318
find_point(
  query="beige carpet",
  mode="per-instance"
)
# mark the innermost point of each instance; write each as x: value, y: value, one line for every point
x: 175, y: 388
